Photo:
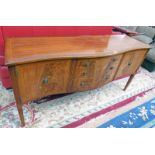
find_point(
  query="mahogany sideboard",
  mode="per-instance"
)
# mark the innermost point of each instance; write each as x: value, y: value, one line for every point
x: 42, y: 66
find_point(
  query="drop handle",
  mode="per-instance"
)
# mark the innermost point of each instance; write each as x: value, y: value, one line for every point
x: 82, y: 84
x: 129, y: 64
x: 107, y: 78
x: 45, y: 80
x: 86, y: 64
x: 111, y: 68
x: 113, y: 59
x: 84, y: 74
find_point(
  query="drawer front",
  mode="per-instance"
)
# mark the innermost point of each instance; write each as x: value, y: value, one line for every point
x: 93, y: 73
x: 109, y: 69
x: 83, y: 75
x: 85, y: 68
x: 41, y: 79
x: 131, y: 62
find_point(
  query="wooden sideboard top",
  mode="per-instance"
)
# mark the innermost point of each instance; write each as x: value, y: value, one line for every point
x: 32, y: 49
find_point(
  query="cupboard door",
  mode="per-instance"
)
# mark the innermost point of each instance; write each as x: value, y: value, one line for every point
x: 54, y: 78
x: 43, y: 78
x: 130, y: 63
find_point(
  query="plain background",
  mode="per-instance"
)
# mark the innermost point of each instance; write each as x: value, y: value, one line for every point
x: 78, y: 13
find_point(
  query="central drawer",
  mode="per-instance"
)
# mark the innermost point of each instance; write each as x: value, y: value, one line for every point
x: 84, y: 75
x: 93, y: 73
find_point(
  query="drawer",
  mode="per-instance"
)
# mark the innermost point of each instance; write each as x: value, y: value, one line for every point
x: 83, y: 75
x: 131, y: 62
x: 93, y: 73
x: 85, y: 68
x: 83, y: 84
x: 43, y: 78
x: 110, y: 69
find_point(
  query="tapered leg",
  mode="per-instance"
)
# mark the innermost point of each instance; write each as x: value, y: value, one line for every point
x: 19, y: 103
x: 129, y: 81
x: 20, y: 112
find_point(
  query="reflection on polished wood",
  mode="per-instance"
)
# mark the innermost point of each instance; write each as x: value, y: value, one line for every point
x: 22, y: 50
x: 43, y: 66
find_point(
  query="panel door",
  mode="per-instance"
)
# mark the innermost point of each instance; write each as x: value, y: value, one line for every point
x: 130, y: 63
x: 41, y: 79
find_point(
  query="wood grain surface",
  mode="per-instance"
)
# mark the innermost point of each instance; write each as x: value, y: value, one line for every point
x: 26, y: 50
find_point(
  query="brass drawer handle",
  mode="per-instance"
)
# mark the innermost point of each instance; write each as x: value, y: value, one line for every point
x: 111, y: 68
x: 84, y: 74
x: 107, y: 77
x: 45, y: 81
x: 86, y: 64
x: 82, y: 83
x: 114, y: 59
